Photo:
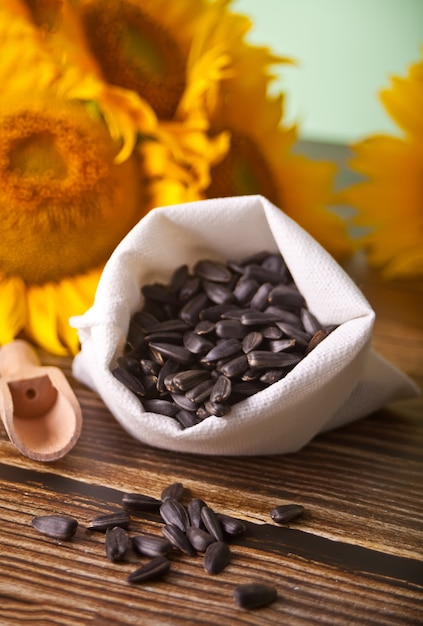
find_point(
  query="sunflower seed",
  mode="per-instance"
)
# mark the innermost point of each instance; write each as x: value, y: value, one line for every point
x: 204, y: 327
x: 309, y: 321
x: 212, y: 271
x: 272, y: 376
x: 128, y: 379
x: 221, y: 390
x: 149, y: 367
x: 212, y: 523
x: 160, y: 406
x: 275, y: 263
x: 271, y: 332
x: 230, y: 328
x: 262, y: 274
x: 183, y: 402
x: 222, y: 350
x: 259, y: 301
x: 172, y: 325
x: 200, y: 392
x: 140, y: 502
x: 254, y: 595
x: 217, y: 557
x: 178, y: 278
x: 261, y: 359
x: 278, y: 345
x: 197, y: 344
x: 245, y: 289
x: 194, y: 512
x: 286, y: 512
x: 315, y: 340
x: 156, y: 568
x: 255, y: 318
x: 174, y: 352
x: 189, y: 289
x: 187, y: 419
x: 178, y: 539
x: 287, y: 296
x: 159, y: 292
x: 231, y: 525
x: 168, y: 368
x: 189, y: 378
x: 236, y: 366
x: 117, y: 541
x: 109, y: 520
x: 151, y: 545
x: 56, y: 526
x: 218, y: 409
x: 218, y: 293
x: 251, y: 341
x: 191, y: 310
x: 215, y: 312
x: 173, y: 512
x: 174, y: 491
x: 200, y: 539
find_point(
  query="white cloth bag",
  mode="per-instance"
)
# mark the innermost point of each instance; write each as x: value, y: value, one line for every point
x: 341, y: 380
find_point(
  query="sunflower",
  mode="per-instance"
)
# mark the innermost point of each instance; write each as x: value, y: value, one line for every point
x: 261, y: 157
x: 389, y: 200
x: 65, y: 201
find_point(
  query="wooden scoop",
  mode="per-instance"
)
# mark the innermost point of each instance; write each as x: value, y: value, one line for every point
x: 39, y: 409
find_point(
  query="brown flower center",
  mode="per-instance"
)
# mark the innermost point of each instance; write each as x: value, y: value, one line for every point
x: 244, y: 171
x: 64, y: 203
x: 136, y: 53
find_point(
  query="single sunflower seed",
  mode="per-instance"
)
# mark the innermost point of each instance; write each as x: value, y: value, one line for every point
x: 254, y: 595
x: 200, y: 539
x: 109, y: 520
x: 173, y: 512
x: 178, y: 539
x: 117, y: 541
x: 156, y: 568
x: 212, y: 523
x: 140, y: 502
x: 175, y: 491
x: 286, y: 512
x: 151, y: 546
x: 56, y: 526
x: 217, y: 557
x: 231, y: 525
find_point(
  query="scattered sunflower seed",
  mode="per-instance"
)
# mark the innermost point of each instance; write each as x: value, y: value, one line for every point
x: 178, y: 539
x: 109, y: 520
x: 286, y: 512
x: 174, y: 491
x: 173, y: 512
x: 254, y: 595
x: 117, y: 541
x: 156, y: 568
x: 56, y: 526
x: 140, y: 502
x: 151, y: 545
x: 217, y: 557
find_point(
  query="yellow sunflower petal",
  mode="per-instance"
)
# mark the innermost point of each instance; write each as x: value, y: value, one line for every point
x: 13, y: 308
x: 404, y: 99
x: 41, y: 326
x: 75, y: 295
x: 388, y: 202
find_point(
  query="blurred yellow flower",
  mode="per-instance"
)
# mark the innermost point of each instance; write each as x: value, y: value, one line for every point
x: 109, y: 108
x: 65, y: 203
x: 390, y: 199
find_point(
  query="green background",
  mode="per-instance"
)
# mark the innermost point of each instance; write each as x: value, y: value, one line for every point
x: 346, y: 51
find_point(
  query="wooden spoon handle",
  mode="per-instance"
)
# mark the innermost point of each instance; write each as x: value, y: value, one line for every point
x: 17, y: 356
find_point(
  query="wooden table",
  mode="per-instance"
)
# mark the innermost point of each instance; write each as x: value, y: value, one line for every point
x: 355, y: 557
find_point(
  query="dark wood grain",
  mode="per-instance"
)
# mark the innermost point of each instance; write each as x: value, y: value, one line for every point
x: 354, y: 557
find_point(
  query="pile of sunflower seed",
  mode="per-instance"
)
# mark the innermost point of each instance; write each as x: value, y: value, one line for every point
x: 215, y: 335
x: 190, y: 529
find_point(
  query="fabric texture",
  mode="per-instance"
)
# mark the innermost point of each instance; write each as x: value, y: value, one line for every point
x: 341, y: 380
